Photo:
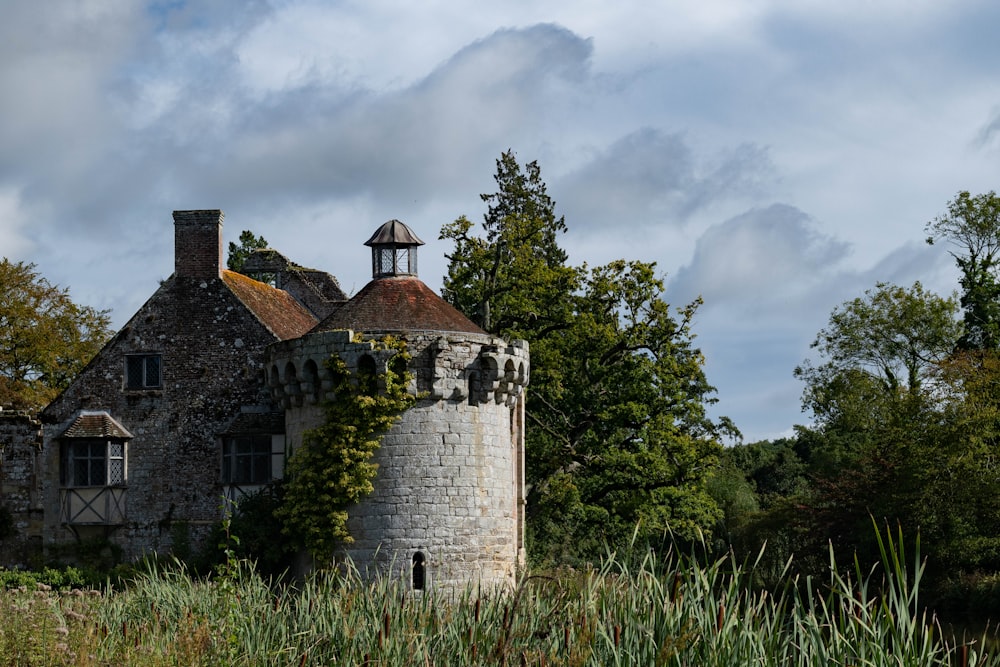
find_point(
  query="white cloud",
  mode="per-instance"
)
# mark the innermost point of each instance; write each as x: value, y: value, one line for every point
x: 777, y: 157
x: 652, y: 178
x: 56, y: 65
x: 404, y: 145
x: 764, y: 257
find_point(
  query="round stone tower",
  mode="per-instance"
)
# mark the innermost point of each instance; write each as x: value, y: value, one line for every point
x: 448, y: 503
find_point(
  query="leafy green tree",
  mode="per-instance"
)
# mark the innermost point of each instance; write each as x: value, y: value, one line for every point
x: 735, y: 495
x: 45, y: 338
x: 776, y: 469
x: 617, y: 435
x: 238, y: 254
x: 617, y: 405
x: 777, y: 475
x: 905, y: 430
x: 961, y: 478
x: 972, y: 227
x: 894, y: 335
x: 332, y: 469
x: 880, y: 350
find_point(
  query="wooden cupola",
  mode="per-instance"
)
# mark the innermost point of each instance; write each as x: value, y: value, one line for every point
x: 394, y: 250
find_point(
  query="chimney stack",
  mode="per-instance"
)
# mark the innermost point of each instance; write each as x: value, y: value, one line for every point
x: 198, y: 244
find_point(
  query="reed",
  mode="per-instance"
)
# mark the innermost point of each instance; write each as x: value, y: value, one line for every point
x: 657, y: 610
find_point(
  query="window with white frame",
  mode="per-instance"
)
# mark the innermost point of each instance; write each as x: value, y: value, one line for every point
x: 142, y: 371
x: 92, y: 462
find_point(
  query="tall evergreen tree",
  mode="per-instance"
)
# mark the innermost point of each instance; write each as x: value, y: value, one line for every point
x: 618, y: 442
x: 238, y: 254
x: 514, y: 278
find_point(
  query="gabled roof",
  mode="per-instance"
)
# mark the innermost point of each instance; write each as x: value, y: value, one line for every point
x: 95, y: 425
x: 399, y: 303
x: 276, y: 309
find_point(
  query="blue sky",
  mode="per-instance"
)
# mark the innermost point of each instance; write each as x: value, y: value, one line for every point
x: 775, y: 157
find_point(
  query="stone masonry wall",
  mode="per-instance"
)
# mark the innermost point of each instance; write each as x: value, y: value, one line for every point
x: 20, y: 508
x: 449, y: 483
x: 212, y: 350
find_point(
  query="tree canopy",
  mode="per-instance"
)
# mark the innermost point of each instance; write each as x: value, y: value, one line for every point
x: 905, y: 431
x: 883, y: 345
x: 972, y: 227
x: 238, y: 254
x: 617, y: 442
x: 45, y: 338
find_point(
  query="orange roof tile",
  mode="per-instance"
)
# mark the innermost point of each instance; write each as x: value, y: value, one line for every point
x: 398, y: 303
x: 276, y: 309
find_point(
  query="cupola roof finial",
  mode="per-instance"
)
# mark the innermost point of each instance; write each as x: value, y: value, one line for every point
x: 394, y: 250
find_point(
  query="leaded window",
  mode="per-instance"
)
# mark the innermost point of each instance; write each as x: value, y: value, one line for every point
x: 390, y: 260
x: 142, y: 371
x: 246, y: 459
x: 92, y: 462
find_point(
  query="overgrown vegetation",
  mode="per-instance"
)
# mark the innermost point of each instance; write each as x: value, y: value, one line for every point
x: 663, y: 610
x: 332, y: 469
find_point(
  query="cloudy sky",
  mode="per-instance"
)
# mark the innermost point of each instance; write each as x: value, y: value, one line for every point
x: 776, y: 157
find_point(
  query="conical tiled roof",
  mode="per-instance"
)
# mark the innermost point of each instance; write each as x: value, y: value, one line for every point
x: 402, y: 303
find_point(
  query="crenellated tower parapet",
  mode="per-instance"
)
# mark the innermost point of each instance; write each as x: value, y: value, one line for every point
x: 461, y: 366
x: 297, y: 372
x: 504, y: 373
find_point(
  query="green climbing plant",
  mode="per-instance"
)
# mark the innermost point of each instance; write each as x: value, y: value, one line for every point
x: 333, y: 468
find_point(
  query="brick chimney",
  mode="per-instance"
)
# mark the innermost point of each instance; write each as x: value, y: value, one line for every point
x: 198, y: 244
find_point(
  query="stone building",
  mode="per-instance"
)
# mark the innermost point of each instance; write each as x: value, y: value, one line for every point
x: 207, y: 390
x: 134, y: 448
x: 448, y: 504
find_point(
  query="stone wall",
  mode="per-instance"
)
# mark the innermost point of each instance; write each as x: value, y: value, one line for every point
x: 448, y: 493
x: 20, y: 508
x: 450, y: 480
x: 211, y: 348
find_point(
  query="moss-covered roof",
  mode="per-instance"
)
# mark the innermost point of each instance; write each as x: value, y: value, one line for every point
x: 276, y: 309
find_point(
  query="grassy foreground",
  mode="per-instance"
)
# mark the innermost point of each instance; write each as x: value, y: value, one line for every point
x: 662, y: 611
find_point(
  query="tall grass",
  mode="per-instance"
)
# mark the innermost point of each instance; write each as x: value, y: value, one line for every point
x: 659, y: 610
